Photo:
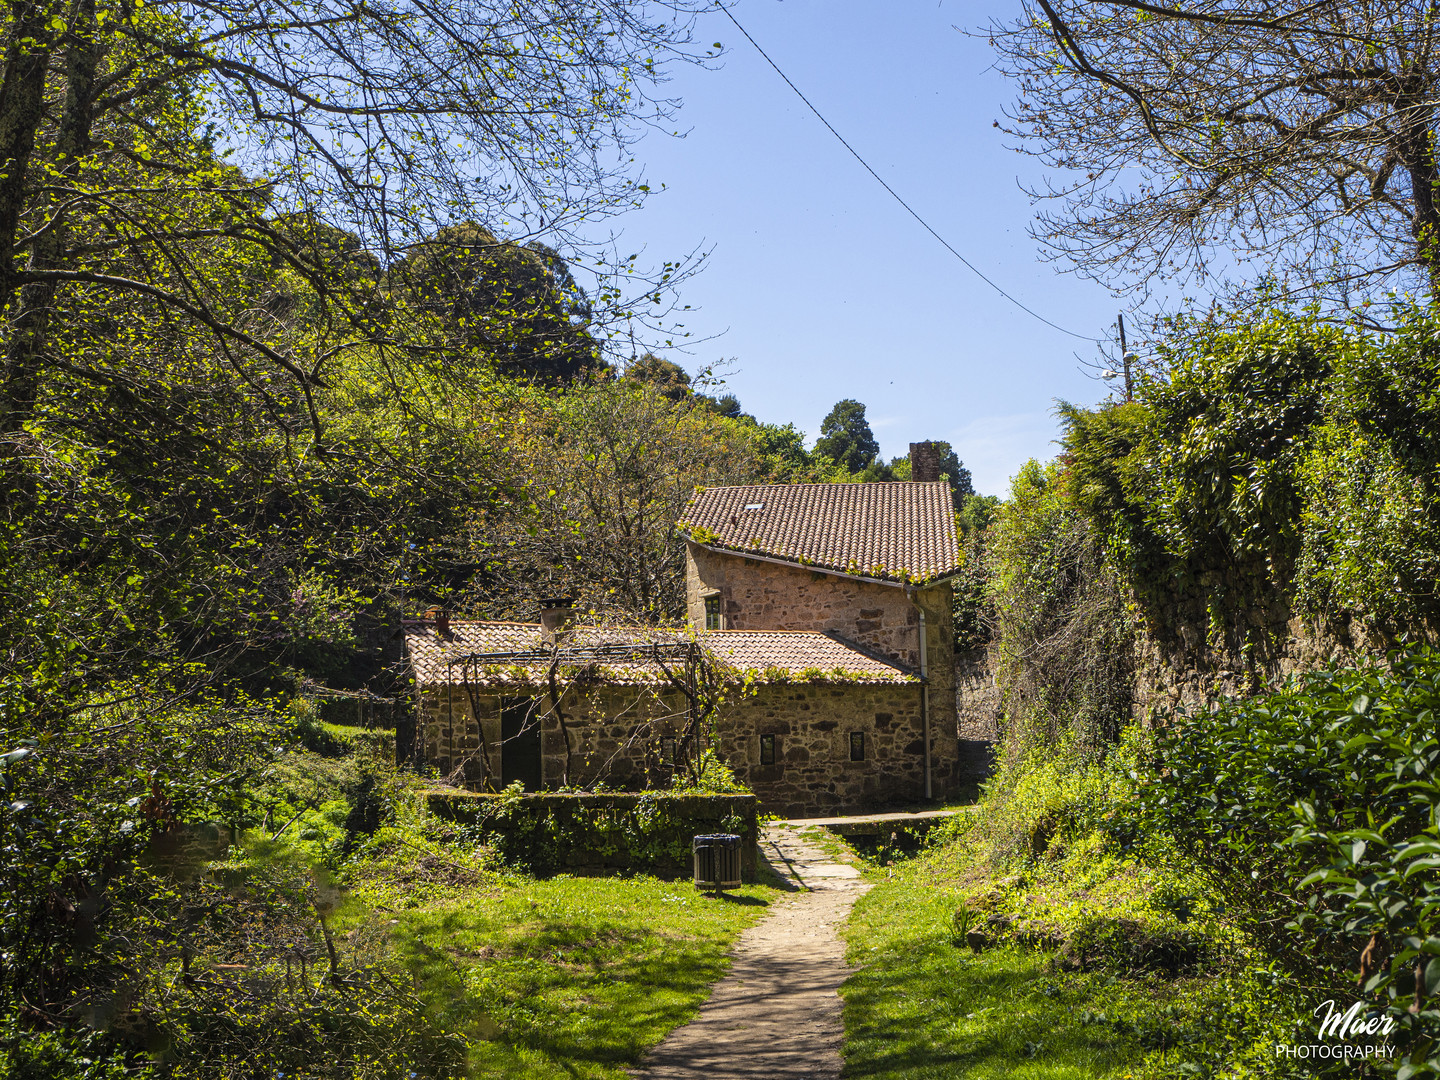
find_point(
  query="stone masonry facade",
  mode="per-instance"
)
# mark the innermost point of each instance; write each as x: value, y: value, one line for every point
x: 612, y: 733
x: 615, y: 735
x: 812, y: 727
x: 757, y: 595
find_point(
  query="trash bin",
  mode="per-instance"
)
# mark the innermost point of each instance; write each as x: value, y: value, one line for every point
x: 717, y: 861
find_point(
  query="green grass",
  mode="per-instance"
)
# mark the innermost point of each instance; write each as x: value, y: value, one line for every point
x: 572, y: 976
x: 920, y: 1007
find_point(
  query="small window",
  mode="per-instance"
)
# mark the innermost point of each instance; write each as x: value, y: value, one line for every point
x: 667, y: 749
x: 857, y: 746
x: 767, y: 749
x: 712, y: 613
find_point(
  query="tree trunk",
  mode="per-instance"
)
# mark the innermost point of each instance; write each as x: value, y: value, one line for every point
x: 31, y: 304
x: 22, y: 92
x: 1417, y: 151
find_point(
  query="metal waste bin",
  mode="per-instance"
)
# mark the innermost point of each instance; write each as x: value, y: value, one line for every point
x: 717, y: 861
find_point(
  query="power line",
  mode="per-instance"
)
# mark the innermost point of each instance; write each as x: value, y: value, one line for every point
x: 893, y: 193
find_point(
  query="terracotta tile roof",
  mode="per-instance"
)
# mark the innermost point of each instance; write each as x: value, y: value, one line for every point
x: 771, y: 655
x: 892, y: 531
x: 803, y: 656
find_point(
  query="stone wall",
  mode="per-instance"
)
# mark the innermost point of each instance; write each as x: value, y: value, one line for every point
x: 1182, y: 670
x: 813, y: 773
x: 616, y: 734
x: 610, y: 733
x: 1178, y: 667
x: 978, y: 712
x: 759, y: 595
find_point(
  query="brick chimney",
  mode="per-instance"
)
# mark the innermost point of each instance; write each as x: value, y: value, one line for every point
x: 924, y: 462
x: 441, y: 618
x: 557, y: 615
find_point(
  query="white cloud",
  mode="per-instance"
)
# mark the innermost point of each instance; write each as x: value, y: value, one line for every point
x: 994, y: 447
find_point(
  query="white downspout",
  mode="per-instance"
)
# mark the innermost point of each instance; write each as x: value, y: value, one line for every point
x: 924, y: 687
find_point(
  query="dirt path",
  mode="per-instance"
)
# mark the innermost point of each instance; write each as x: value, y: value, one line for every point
x: 777, y: 1014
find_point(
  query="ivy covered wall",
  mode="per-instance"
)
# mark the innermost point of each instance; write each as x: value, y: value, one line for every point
x: 1269, y: 504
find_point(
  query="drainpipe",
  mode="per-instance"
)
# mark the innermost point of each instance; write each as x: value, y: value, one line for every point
x: 924, y: 686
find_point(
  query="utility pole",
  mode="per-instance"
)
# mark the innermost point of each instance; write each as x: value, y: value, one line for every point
x: 1124, y: 355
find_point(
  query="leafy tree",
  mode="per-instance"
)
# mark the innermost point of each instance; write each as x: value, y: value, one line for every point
x: 608, y: 469
x: 665, y: 377
x: 727, y: 405
x: 972, y: 605
x: 138, y: 137
x: 846, y: 438
x: 783, y: 457
x: 1293, y: 149
x: 876, y: 472
x: 515, y: 305
x: 977, y: 513
x: 226, y: 433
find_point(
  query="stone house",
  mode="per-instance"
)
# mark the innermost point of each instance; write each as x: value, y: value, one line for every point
x: 810, y: 722
x: 824, y: 615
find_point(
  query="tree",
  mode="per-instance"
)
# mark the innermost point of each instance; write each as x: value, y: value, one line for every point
x: 846, y: 438
x: 515, y: 305
x: 977, y: 512
x: 610, y: 467
x: 225, y: 427
x: 136, y: 138
x: 665, y: 377
x: 1256, y: 150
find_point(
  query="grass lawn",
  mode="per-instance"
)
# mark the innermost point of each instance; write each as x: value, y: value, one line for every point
x: 919, y: 1007
x: 571, y: 976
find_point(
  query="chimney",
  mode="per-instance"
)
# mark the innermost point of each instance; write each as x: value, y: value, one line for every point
x: 557, y: 615
x: 924, y: 462
x: 441, y: 618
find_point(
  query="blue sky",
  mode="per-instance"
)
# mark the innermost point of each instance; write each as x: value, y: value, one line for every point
x: 819, y: 285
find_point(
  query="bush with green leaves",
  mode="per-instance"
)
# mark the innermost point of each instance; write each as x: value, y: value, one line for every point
x: 1313, y: 813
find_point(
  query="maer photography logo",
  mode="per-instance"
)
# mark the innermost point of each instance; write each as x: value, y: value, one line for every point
x: 1357, y: 1032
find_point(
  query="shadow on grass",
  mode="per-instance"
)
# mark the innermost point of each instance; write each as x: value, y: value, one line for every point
x: 572, y: 979
x: 921, y: 1008
x: 742, y: 900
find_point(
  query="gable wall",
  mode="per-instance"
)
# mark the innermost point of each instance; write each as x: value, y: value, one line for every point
x: 759, y: 595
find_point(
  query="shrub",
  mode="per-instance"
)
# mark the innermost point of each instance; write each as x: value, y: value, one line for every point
x: 1313, y: 813
x: 713, y: 777
x: 1065, y: 636
x: 1132, y: 946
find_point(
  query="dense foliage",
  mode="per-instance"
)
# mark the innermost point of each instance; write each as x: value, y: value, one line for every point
x: 1283, y: 465
x: 1063, y: 632
x: 1313, y: 814
x: 1279, y: 469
